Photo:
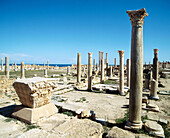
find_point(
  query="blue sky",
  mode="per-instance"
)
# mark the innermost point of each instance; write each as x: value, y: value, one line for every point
x: 36, y: 30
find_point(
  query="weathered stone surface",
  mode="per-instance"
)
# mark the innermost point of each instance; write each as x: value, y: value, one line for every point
x: 154, y: 128
x: 34, y: 92
x: 10, y: 128
x: 32, y: 115
x: 116, y: 132
x: 70, y: 127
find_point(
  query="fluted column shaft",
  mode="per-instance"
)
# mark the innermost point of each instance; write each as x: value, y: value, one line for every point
x: 22, y: 70
x: 121, y: 72
x: 102, y: 68
x: 7, y: 67
x: 78, y: 67
x: 128, y: 73
x: 89, y: 71
x: 136, y: 81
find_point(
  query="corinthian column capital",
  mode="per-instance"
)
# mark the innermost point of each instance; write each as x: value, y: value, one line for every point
x: 137, y: 17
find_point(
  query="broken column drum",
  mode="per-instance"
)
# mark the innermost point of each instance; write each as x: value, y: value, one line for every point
x: 78, y: 67
x: 121, y: 72
x: 89, y: 71
x: 136, y: 82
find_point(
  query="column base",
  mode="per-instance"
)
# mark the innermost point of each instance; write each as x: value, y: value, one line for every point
x: 133, y: 126
x: 122, y: 93
x: 89, y: 90
x: 154, y: 97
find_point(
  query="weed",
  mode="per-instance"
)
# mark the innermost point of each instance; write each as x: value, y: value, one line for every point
x: 165, y: 128
x: 68, y: 113
x: 28, y: 127
x: 165, y: 111
x: 81, y: 99
x: 10, y: 119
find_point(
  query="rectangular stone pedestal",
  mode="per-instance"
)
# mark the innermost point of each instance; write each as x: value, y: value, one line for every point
x: 32, y: 115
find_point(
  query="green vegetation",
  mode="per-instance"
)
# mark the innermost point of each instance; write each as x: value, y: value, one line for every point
x: 10, y: 119
x: 68, y: 113
x: 111, y: 82
x: 81, y: 99
x: 123, y: 120
x: 165, y: 128
x: 30, y: 73
x: 28, y: 127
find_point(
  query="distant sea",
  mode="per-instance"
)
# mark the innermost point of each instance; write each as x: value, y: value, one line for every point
x: 59, y: 65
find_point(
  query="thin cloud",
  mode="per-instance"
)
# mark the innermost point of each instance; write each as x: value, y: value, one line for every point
x: 14, y: 55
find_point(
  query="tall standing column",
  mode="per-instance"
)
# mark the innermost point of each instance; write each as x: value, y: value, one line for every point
x: 7, y: 67
x: 47, y: 64
x: 1, y: 63
x: 106, y: 58
x: 94, y: 64
x: 136, y: 81
x: 115, y: 63
x: 154, y: 82
x: 102, y: 68
x: 99, y: 61
x: 110, y: 72
x: 78, y: 67
x: 128, y: 73
x: 89, y: 71
x: 121, y: 72
x: 22, y: 70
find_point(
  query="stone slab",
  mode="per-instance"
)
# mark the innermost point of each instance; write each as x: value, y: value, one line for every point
x: 33, y: 115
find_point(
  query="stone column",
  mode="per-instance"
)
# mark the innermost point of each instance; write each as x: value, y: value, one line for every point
x: 15, y: 67
x: 89, y: 71
x: 94, y: 64
x: 78, y: 67
x: 115, y: 63
x: 136, y: 81
x: 47, y: 64
x: 106, y: 58
x: 102, y: 69
x: 107, y: 69
x: 2, y: 64
x: 45, y: 73
x: 110, y: 72
x: 7, y: 67
x: 147, y: 80
x: 121, y: 72
x: 155, y: 65
x: 22, y: 70
x: 99, y: 61
x: 68, y: 70
x: 128, y: 73
x: 154, y: 82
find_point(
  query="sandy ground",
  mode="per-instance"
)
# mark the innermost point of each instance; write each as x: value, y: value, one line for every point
x: 106, y: 106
